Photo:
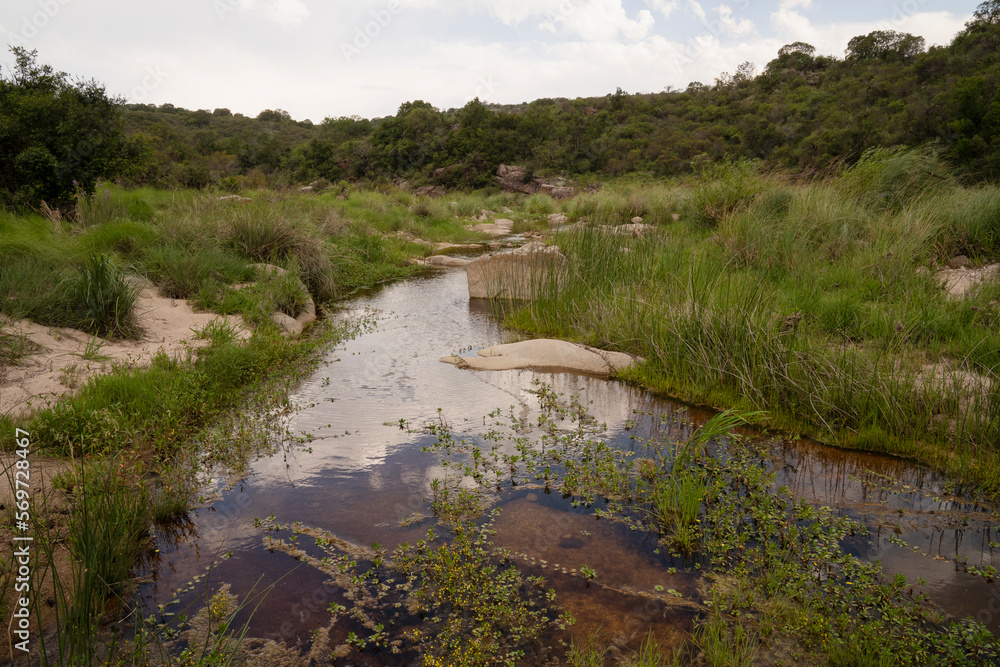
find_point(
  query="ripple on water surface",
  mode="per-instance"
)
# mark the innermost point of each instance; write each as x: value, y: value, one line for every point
x: 364, y: 475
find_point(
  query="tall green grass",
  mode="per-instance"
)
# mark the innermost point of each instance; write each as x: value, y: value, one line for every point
x: 194, y: 245
x: 812, y: 302
x: 93, y: 296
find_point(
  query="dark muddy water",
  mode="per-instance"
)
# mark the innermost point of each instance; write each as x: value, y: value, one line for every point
x: 363, y: 477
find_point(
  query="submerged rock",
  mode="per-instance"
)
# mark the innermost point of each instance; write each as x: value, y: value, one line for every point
x: 545, y: 354
x: 521, y: 274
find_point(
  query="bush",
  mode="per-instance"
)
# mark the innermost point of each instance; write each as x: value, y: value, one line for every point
x: 261, y: 234
x: 58, y: 136
x: 724, y: 188
x: 103, y: 300
x: 891, y: 178
x: 180, y: 274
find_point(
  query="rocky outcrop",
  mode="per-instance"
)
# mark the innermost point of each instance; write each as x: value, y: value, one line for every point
x: 515, y: 179
x: 520, y: 274
x: 557, y: 191
x: 430, y: 191
x: 545, y: 354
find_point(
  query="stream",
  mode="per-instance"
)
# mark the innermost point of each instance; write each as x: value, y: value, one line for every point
x: 362, y: 475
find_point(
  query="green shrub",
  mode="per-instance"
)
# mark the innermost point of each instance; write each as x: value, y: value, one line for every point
x: 724, y: 188
x: 891, y: 178
x: 129, y: 239
x: 181, y: 274
x: 102, y: 300
x: 262, y: 234
x: 108, y: 521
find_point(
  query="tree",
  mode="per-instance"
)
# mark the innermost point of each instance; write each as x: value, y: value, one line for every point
x: 885, y: 45
x: 987, y: 13
x: 797, y: 56
x: 274, y: 116
x: 745, y: 73
x: 58, y: 136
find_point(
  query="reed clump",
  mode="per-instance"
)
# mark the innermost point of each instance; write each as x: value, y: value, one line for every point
x: 815, y: 301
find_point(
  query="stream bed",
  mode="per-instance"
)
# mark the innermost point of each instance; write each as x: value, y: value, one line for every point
x: 364, y: 478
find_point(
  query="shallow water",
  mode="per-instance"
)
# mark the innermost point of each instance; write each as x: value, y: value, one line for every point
x: 365, y: 474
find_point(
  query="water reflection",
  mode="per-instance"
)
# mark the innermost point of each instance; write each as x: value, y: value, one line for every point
x: 364, y: 475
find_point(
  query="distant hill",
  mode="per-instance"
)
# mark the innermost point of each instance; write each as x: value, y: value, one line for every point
x: 804, y: 112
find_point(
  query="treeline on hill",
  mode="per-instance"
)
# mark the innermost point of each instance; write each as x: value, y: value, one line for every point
x: 803, y: 113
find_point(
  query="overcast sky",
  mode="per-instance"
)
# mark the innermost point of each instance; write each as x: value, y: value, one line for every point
x: 366, y: 57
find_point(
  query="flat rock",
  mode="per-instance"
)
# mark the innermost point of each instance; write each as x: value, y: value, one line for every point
x: 558, y: 219
x: 520, y: 274
x: 499, y: 227
x: 446, y: 261
x: 959, y: 282
x: 447, y: 247
x: 545, y: 354
x: 406, y: 236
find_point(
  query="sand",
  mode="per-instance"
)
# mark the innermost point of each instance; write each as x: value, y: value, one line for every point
x: 58, y: 365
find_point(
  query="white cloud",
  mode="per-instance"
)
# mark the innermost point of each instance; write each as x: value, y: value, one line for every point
x: 283, y: 12
x: 832, y: 38
x: 665, y: 7
x: 697, y: 10
x: 441, y: 51
x: 590, y: 20
x: 602, y: 21
x: 935, y: 27
x: 787, y: 21
x: 732, y: 25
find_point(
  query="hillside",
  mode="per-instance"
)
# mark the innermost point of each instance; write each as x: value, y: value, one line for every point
x: 804, y: 112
